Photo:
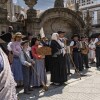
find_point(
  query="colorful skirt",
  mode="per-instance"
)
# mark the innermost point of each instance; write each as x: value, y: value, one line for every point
x: 16, y: 68
x: 41, y: 71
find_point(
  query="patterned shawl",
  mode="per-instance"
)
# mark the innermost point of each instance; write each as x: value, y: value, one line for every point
x: 7, y: 83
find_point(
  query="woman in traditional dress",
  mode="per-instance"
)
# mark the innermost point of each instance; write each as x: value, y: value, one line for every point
x: 16, y: 63
x: 92, y: 48
x: 39, y: 65
x: 58, y: 62
x: 7, y: 83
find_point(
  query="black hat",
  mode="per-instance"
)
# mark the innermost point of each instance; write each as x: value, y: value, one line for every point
x: 25, y: 41
x: 96, y: 35
x: 60, y: 32
x: 83, y: 37
x: 6, y: 37
x: 75, y: 35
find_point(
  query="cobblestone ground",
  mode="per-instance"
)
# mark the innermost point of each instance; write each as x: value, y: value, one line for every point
x: 88, y: 88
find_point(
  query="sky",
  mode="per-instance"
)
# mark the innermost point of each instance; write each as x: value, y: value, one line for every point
x: 41, y: 4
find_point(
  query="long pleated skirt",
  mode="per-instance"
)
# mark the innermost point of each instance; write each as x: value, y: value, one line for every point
x: 16, y: 68
x: 58, y: 69
x: 39, y: 75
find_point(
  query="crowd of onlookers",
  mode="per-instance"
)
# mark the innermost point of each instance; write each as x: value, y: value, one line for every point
x: 29, y: 68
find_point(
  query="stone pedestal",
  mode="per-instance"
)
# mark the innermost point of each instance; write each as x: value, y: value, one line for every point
x: 32, y: 20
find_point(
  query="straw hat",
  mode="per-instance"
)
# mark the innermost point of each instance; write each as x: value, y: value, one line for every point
x: 18, y: 34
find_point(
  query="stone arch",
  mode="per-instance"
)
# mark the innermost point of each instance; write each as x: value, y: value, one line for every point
x: 61, y: 18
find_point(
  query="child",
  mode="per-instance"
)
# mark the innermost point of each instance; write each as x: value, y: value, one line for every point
x: 27, y: 63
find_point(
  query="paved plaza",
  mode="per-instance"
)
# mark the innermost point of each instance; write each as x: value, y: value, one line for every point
x: 88, y: 88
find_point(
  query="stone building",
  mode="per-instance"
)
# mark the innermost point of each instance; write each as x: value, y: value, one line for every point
x: 94, y: 10
x: 52, y: 20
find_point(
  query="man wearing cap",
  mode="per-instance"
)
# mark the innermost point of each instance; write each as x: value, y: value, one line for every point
x: 26, y: 66
x: 7, y: 83
x: 75, y: 45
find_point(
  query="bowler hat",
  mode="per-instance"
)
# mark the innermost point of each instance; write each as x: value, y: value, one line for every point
x: 75, y: 35
x: 60, y: 32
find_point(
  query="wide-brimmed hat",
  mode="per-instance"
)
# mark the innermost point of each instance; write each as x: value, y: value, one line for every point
x: 5, y: 37
x: 18, y: 34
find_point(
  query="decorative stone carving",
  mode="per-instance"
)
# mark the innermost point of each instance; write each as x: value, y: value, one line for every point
x: 31, y: 13
x: 57, y: 24
x: 2, y: 2
x: 59, y: 4
x: 64, y: 19
x: 30, y: 3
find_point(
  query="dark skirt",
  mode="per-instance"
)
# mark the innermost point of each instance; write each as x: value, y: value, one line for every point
x: 58, y: 69
x: 47, y: 63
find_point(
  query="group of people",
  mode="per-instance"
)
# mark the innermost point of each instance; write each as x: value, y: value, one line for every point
x: 29, y: 68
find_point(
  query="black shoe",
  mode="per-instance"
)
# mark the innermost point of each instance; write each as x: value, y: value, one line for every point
x: 92, y: 62
x: 97, y: 66
x: 69, y: 73
x: 31, y: 89
x: 27, y: 92
x: 80, y: 70
x: 88, y: 67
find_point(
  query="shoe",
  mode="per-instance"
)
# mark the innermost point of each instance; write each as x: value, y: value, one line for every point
x: 69, y: 73
x: 92, y: 63
x: 88, y: 67
x: 97, y: 66
x: 31, y: 89
x: 80, y: 70
x: 27, y: 92
x: 57, y: 84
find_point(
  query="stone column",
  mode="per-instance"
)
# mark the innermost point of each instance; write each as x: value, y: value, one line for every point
x: 31, y: 16
x: 3, y: 16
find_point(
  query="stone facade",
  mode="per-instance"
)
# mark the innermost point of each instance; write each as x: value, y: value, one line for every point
x: 55, y: 19
x: 94, y: 9
x: 51, y: 20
